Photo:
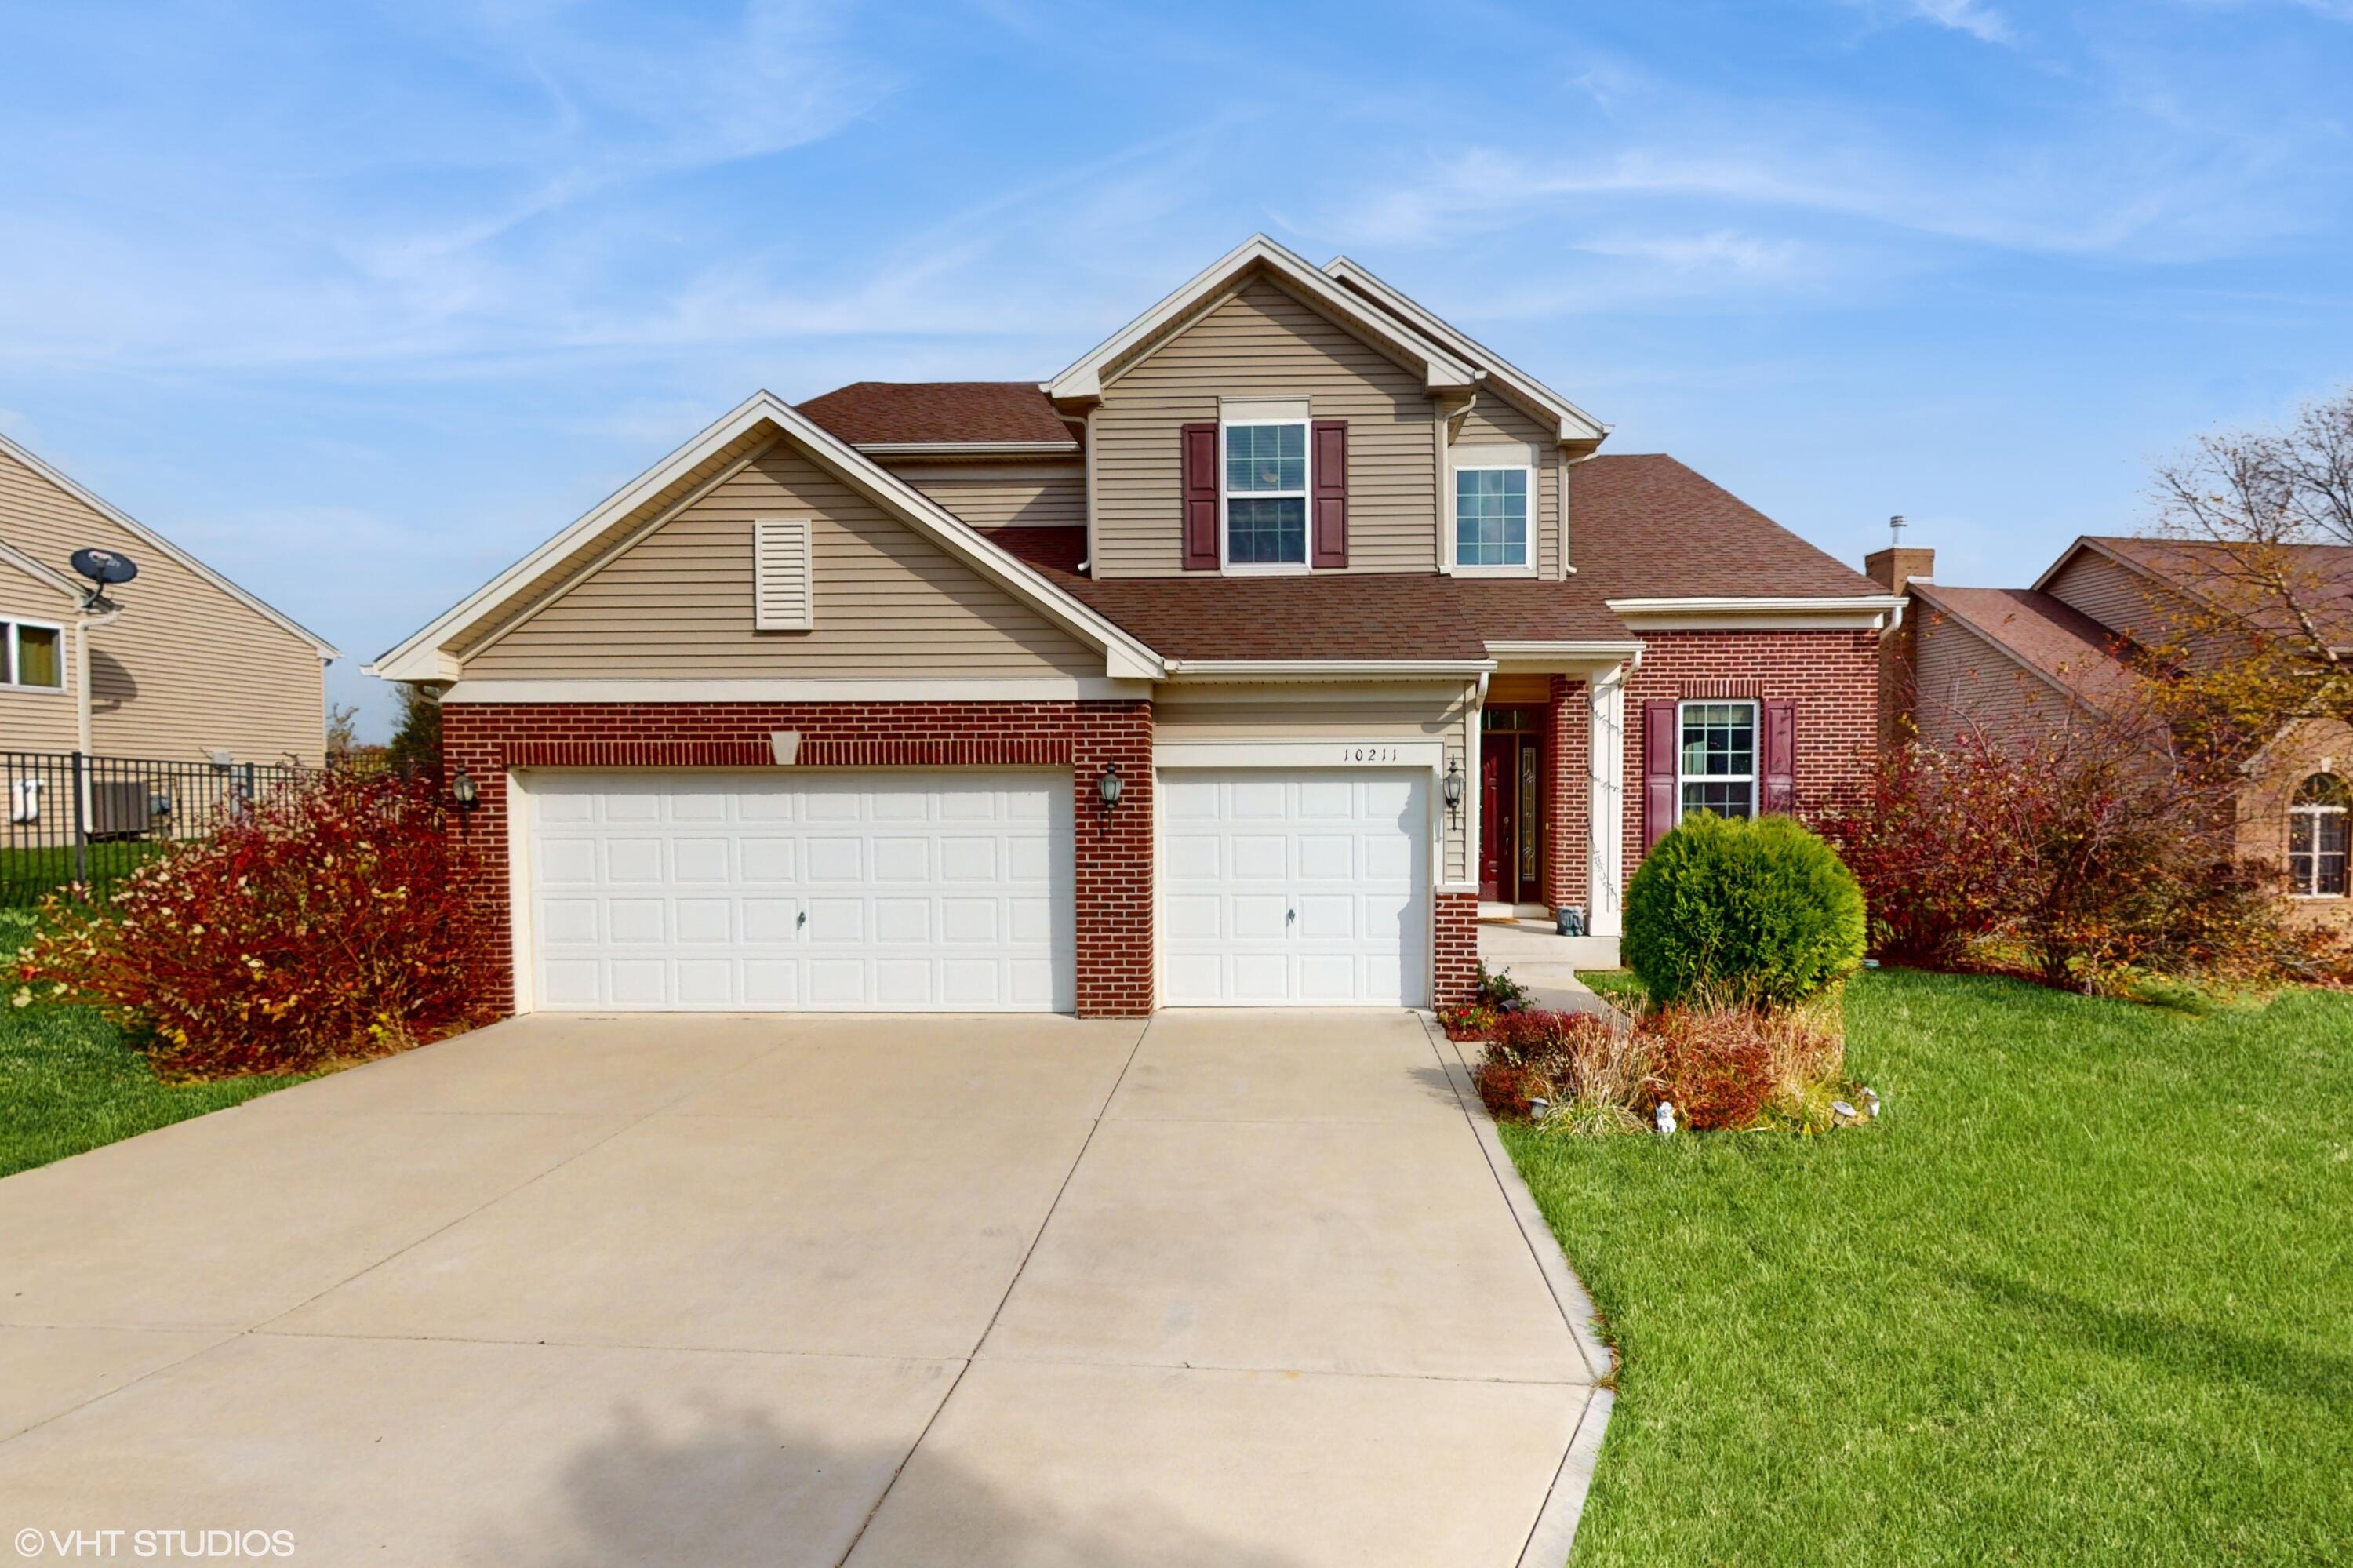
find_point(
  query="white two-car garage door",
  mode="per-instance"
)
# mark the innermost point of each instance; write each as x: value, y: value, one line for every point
x: 1283, y: 888
x: 895, y: 891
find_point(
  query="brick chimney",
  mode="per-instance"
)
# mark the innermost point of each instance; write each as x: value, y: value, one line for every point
x: 1894, y: 569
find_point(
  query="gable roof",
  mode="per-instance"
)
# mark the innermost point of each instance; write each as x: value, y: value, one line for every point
x: 156, y: 542
x: 1643, y: 526
x: 2068, y: 648
x: 897, y: 414
x: 2197, y: 567
x: 1573, y: 423
x: 1084, y: 377
x: 653, y: 495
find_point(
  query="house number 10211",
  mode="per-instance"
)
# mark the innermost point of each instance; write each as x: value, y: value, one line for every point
x: 1369, y: 754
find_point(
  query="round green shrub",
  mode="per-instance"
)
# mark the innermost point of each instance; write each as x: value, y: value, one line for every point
x: 1757, y: 913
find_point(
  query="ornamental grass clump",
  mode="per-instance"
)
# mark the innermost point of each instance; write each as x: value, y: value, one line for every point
x: 321, y: 923
x: 1741, y: 913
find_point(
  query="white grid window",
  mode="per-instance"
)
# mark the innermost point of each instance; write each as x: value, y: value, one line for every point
x: 1490, y: 516
x: 1266, y: 494
x: 2316, y: 835
x: 1717, y: 768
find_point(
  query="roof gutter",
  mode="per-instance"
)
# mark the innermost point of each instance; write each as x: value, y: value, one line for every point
x: 967, y: 448
x: 1329, y: 668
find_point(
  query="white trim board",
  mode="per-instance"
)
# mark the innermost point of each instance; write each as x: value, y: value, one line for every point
x: 1011, y: 689
x: 145, y: 534
x: 1189, y: 670
x: 1084, y: 378
x: 1857, y: 612
x: 1341, y: 755
x: 422, y: 656
x: 1573, y: 423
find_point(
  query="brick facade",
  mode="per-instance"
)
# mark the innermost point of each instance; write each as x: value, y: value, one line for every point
x: 1456, y: 947
x: 1568, y: 781
x: 1114, y: 960
x: 1832, y: 676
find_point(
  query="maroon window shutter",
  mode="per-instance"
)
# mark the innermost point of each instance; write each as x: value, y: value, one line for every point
x: 1331, y: 544
x: 1781, y: 756
x: 1200, y: 477
x: 1661, y: 740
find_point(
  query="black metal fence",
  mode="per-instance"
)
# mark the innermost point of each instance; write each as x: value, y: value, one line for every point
x: 77, y: 819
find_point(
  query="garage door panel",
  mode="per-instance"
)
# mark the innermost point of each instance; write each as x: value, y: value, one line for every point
x: 879, y: 890
x: 1295, y: 887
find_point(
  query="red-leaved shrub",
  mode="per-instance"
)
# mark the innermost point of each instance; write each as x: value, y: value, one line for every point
x: 1716, y: 1065
x: 322, y: 922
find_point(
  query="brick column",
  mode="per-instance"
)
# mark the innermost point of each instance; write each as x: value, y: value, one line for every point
x: 1567, y: 786
x: 1456, y: 979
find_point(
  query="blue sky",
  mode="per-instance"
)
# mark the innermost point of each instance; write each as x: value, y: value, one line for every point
x: 361, y: 303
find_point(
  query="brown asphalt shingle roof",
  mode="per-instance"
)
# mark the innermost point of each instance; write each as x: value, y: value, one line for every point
x: 1325, y: 615
x: 2203, y: 568
x: 1640, y: 527
x: 2045, y: 634
x: 870, y: 413
x: 1644, y: 526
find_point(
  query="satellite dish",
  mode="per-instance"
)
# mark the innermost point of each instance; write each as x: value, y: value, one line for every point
x: 104, y: 567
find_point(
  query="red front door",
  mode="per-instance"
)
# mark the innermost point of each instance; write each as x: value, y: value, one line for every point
x: 1497, y: 777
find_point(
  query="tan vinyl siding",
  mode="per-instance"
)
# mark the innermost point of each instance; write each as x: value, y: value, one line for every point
x: 1385, y: 713
x: 189, y: 666
x: 1491, y: 419
x: 1027, y: 498
x: 678, y: 603
x: 2118, y: 599
x: 37, y: 720
x: 559, y: 575
x: 1968, y: 684
x: 1262, y: 343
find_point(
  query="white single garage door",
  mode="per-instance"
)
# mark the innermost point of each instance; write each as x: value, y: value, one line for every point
x: 1294, y: 888
x: 891, y: 891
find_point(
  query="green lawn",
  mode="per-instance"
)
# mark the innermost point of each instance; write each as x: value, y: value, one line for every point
x: 2084, y: 1295
x: 68, y: 1083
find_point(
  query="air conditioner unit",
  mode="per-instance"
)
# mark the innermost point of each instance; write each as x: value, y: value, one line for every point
x: 118, y: 809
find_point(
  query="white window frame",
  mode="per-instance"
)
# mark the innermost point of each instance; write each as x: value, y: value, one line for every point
x: 2316, y: 811
x: 1756, y: 750
x: 1523, y: 568
x: 17, y: 654
x: 1230, y: 419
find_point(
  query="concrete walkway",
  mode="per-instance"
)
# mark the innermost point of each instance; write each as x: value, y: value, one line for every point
x: 1235, y: 1289
x: 1544, y: 961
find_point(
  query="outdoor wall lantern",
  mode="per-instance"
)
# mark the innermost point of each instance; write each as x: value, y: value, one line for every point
x: 1108, y: 786
x: 1453, y: 785
x: 463, y: 791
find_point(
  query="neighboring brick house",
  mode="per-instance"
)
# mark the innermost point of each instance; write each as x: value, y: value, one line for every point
x: 190, y: 668
x: 2013, y: 664
x: 1248, y: 660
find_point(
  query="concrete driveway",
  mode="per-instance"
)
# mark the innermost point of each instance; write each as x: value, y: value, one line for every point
x: 1243, y: 1288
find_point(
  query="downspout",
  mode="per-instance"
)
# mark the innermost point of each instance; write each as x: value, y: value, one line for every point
x: 83, y: 626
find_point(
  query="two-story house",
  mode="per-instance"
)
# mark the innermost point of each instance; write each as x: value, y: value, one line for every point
x: 188, y: 668
x: 1246, y: 661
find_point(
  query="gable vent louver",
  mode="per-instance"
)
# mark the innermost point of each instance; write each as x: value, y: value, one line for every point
x: 783, y: 598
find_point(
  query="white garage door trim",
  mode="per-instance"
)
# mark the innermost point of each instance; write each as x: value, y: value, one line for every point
x: 981, y: 919
x: 1314, y: 932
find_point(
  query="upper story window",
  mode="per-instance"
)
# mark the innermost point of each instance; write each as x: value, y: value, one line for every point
x: 1491, y: 517
x: 2316, y: 834
x: 32, y: 654
x: 1266, y: 493
x: 1718, y: 764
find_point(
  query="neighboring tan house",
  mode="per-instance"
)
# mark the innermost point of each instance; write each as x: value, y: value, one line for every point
x: 189, y: 669
x: 1246, y: 662
x: 2011, y: 664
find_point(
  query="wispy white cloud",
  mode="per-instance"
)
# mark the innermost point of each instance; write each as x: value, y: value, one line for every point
x: 1979, y: 21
